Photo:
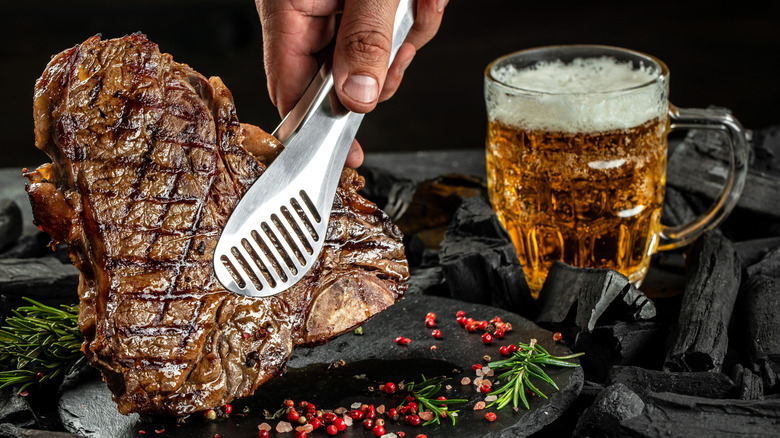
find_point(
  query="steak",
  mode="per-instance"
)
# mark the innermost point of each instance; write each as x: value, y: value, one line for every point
x: 148, y: 161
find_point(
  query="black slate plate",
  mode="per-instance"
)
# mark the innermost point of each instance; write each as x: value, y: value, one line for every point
x: 370, y: 359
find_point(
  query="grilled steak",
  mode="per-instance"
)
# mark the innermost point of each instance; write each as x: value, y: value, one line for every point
x: 148, y: 163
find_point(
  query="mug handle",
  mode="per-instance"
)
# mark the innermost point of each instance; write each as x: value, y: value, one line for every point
x: 689, y: 118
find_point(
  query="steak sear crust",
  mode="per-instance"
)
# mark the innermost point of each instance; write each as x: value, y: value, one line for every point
x: 147, y: 165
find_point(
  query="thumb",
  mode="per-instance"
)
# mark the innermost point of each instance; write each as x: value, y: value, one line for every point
x: 362, y: 52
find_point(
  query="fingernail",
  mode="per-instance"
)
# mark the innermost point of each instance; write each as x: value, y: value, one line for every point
x: 440, y: 5
x: 361, y: 88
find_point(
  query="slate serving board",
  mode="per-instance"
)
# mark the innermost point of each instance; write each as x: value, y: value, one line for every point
x: 369, y: 359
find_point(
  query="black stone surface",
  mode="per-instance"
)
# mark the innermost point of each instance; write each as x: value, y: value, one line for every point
x: 314, y: 374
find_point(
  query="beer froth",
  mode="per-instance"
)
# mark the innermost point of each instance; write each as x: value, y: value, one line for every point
x: 585, y: 95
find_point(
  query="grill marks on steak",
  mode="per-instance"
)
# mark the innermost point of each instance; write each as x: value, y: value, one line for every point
x: 147, y: 165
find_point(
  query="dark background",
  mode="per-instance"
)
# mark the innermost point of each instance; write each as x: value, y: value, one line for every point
x: 725, y: 54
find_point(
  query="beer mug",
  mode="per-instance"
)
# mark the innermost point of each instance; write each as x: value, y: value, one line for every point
x: 576, y: 158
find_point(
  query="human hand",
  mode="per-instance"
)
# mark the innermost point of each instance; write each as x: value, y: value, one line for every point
x: 295, y: 33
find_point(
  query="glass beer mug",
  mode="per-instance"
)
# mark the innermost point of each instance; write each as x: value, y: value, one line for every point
x: 576, y: 158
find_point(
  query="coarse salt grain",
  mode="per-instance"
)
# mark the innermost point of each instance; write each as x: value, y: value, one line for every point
x: 264, y: 426
x: 480, y: 405
x: 355, y: 405
x: 284, y: 427
x: 426, y: 416
x: 491, y: 398
x: 465, y: 381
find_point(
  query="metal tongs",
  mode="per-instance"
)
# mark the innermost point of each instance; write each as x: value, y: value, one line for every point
x: 276, y: 232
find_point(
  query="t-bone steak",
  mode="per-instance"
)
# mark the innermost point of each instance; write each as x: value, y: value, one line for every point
x: 148, y: 161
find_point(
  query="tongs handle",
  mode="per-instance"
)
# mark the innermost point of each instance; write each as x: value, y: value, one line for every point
x: 320, y: 101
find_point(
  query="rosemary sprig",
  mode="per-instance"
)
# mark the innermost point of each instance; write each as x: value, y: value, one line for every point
x: 525, y: 363
x: 425, y: 392
x: 39, y: 343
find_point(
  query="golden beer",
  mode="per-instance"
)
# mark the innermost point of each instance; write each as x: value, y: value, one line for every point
x: 576, y: 158
x: 587, y: 199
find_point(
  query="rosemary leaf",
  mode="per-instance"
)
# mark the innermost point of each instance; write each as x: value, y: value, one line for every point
x: 526, y: 364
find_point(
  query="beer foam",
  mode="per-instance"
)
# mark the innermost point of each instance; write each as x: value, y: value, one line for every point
x: 585, y: 95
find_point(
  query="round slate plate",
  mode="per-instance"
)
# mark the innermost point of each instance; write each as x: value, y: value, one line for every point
x: 317, y: 375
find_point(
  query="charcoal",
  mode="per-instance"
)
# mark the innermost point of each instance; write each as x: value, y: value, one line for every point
x: 698, y: 168
x: 558, y: 296
x: 435, y: 201
x: 770, y: 376
x: 752, y: 251
x: 749, y: 385
x: 766, y: 150
x: 700, y: 339
x: 28, y: 246
x: 427, y: 281
x: 757, y: 326
x: 10, y: 223
x: 699, y: 384
x: 635, y: 343
x: 676, y: 209
x: 45, y: 279
x: 674, y: 415
x: 14, y: 409
x: 613, y: 405
x: 385, y: 188
x: 479, y: 261
x: 603, y: 296
x: 769, y: 265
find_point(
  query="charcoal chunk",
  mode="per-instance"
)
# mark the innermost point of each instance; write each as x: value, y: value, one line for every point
x: 603, y: 296
x: 752, y: 251
x: 697, y: 167
x: 676, y: 209
x: 620, y: 344
x: 699, y: 384
x: 427, y: 281
x: 45, y: 279
x: 386, y: 188
x: 613, y: 405
x: 769, y: 265
x: 757, y: 325
x: 770, y: 376
x: 749, y: 385
x: 700, y: 339
x: 10, y: 223
x: 668, y: 414
x: 15, y: 409
x: 479, y: 261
